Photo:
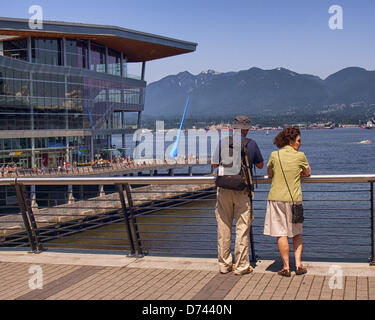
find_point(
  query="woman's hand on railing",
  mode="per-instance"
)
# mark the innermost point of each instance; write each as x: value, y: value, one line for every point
x: 306, y: 172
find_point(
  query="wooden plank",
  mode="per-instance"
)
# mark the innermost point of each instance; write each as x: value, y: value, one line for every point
x: 199, y: 281
x: 218, y: 287
x: 144, y: 284
x: 61, y: 283
x: 135, y: 284
x: 112, y: 292
x: 108, y: 279
x: 49, y: 273
x: 76, y: 290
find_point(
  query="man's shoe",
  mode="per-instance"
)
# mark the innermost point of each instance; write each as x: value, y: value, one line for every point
x: 224, y: 271
x: 246, y: 271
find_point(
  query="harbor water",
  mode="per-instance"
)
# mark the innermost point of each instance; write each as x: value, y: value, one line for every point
x: 337, y: 216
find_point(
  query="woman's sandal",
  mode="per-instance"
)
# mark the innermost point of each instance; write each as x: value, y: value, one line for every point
x: 300, y: 271
x: 284, y: 273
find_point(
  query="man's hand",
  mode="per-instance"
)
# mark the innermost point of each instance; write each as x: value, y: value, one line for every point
x: 260, y: 165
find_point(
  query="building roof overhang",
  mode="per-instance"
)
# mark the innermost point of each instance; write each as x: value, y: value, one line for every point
x: 138, y: 46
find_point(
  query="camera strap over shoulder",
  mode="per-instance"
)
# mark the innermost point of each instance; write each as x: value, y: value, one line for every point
x: 246, y: 167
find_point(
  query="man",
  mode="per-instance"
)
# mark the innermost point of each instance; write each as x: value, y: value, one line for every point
x: 235, y: 204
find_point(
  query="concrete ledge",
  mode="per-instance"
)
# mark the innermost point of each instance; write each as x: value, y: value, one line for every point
x: 83, y: 259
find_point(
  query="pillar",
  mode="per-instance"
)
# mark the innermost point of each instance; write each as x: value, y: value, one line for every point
x: 89, y: 54
x: 123, y: 130
x: 110, y: 146
x: 106, y: 59
x: 34, y: 204
x: 143, y: 70
x: 101, y: 190
x: 70, y: 194
x: 139, y: 121
x: 81, y: 192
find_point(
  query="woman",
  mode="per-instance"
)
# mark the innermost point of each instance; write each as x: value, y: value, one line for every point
x: 285, y: 167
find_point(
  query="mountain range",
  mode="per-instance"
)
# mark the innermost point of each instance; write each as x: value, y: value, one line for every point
x: 262, y: 92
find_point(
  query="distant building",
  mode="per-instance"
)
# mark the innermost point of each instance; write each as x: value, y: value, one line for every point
x: 65, y: 89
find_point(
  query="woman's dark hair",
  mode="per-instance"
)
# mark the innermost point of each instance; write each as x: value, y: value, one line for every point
x: 284, y: 137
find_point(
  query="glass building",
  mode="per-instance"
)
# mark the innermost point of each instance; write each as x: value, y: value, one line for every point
x: 65, y: 89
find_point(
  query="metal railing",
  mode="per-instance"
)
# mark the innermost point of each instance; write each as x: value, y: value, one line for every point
x: 176, y: 215
x: 105, y: 167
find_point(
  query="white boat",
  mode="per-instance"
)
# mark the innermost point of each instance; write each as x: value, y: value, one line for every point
x: 267, y: 132
x: 365, y: 141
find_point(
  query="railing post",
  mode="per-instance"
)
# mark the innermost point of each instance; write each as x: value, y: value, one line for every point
x: 133, y: 226
x: 372, y: 262
x: 254, y: 259
x: 120, y: 190
x: 26, y: 223
x: 34, y: 227
x: 28, y: 218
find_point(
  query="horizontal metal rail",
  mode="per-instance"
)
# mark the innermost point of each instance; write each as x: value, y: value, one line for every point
x: 357, y: 178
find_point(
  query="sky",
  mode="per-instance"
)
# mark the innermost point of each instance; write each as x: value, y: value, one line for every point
x: 233, y: 35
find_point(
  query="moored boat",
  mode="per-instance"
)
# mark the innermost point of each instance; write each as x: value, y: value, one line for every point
x: 370, y: 125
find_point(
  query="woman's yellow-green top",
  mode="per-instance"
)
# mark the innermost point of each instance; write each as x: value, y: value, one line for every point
x: 292, y: 162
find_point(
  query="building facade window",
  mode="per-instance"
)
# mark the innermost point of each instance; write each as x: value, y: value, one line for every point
x: 50, y: 51
x: 60, y: 102
x: 117, y: 120
x: 16, y: 49
x: 47, y: 51
x: 76, y: 53
x: 44, y: 99
x: 114, y: 62
x: 97, y: 57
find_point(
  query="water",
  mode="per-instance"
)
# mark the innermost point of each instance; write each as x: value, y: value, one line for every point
x: 337, y: 216
x: 336, y: 151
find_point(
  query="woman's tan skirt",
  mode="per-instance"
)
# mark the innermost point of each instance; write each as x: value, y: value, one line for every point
x: 278, y: 222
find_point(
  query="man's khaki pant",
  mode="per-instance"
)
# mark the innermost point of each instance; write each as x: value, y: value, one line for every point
x: 233, y: 204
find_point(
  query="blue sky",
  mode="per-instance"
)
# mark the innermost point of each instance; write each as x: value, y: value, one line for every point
x: 233, y: 35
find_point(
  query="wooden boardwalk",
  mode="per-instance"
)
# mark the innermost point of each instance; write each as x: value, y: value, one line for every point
x: 106, y: 278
